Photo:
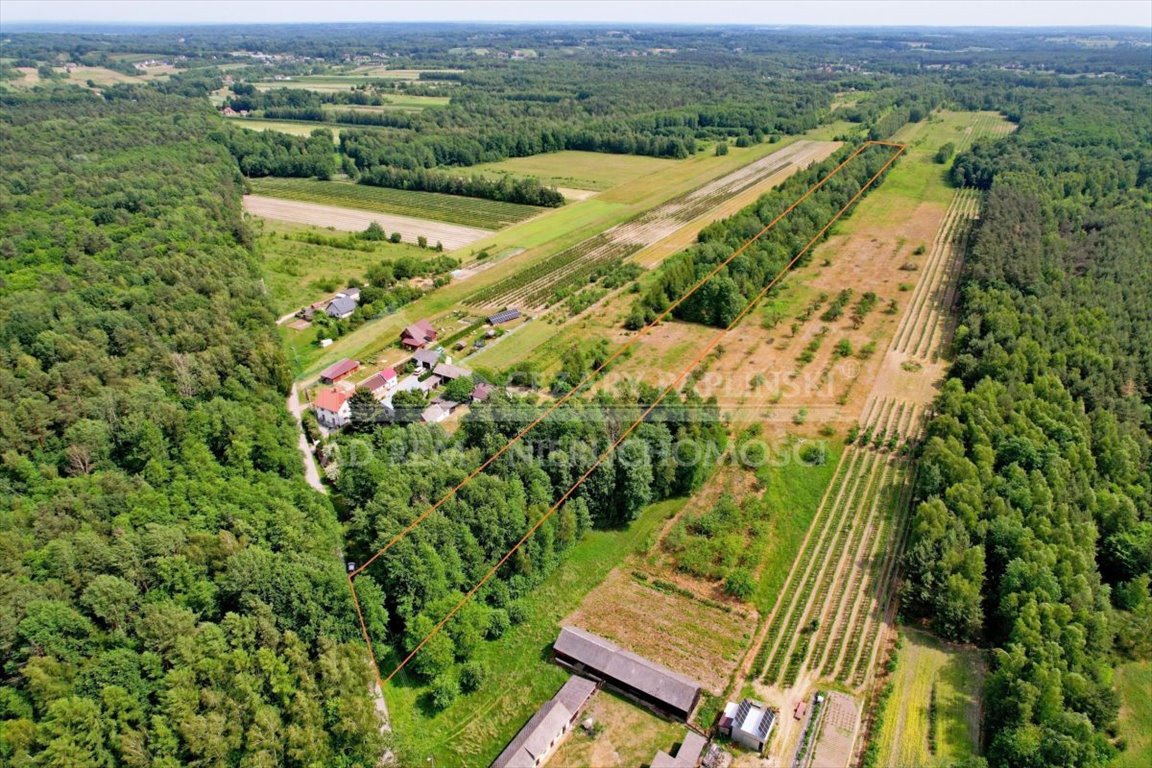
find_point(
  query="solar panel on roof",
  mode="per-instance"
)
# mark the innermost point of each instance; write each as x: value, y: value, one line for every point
x: 765, y: 724
x: 742, y: 712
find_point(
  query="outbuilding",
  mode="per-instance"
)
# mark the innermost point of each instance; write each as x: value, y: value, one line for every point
x: 339, y: 370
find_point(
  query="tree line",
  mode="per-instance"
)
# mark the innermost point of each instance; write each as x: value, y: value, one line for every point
x: 1032, y: 530
x: 168, y: 586
x: 719, y: 301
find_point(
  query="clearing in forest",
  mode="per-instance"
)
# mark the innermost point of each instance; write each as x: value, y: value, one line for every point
x: 593, y: 171
x: 932, y: 677
x: 356, y: 220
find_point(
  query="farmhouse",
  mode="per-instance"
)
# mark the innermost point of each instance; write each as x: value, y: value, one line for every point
x: 540, y: 736
x: 688, y: 756
x: 380, y: 384
x: 426, y: 359
x: 341, y: 307
x: 748, y: 723
x: 650, y: 683
x: 339, y: 370
x: 506, y: 316
x: 418, y: 335
x: 332, y: 409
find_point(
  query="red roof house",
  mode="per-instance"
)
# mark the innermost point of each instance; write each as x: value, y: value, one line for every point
x: 418, y: 335
x: 331, y: 407
x: 380, y: 383
x: 339, y: 370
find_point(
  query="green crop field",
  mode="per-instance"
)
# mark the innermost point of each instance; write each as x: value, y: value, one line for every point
x: 396, y: 101
x: 580, y: 170
x: 1134, y: 681
x: 469, y: 211
x: 474, y: 729
x: 958, y: 675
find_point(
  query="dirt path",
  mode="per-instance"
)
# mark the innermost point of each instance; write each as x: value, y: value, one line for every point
x: 311, y: 473
x: 452, y: 236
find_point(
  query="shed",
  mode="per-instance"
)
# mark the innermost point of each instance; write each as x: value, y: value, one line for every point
x: 339, y: 370
x: 450, y: 372
x: 687, y: 756
x: 544, y: 731
x: 426, y: 359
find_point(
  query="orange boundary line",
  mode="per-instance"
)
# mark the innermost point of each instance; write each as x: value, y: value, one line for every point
x: 600, y: 459
x: 619, y: 351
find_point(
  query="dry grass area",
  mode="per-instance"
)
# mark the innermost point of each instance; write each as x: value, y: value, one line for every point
x: 685, y: 634
x: 631, y: 736
x: 353, y: 220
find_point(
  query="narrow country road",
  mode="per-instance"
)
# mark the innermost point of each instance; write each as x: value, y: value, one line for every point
x: 311, y: 473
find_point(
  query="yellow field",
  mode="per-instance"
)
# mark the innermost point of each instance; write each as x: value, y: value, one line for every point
x: 958, y: 674
x: 296, y: 129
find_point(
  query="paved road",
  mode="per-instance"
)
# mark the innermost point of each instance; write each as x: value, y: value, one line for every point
x: 311, y: 473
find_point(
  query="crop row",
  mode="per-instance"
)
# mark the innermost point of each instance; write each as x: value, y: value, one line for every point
x: 929, y: 299
x: 454, y: 209
x: 816, y: 584
x: 930, y: 274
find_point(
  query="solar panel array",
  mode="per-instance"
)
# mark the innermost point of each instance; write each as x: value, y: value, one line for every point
x: 503, y: 317
x: 742, y: 713
x: 766, y: 720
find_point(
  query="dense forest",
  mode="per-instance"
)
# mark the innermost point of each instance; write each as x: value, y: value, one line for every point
x: 1033, y: 529
x: 400, y: 470
x: 170, y: 589
x: 720, y: 300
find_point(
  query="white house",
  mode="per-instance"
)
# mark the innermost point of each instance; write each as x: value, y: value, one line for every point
x: 381, y: 384
x: 332, y: 409
x: 749, y: 723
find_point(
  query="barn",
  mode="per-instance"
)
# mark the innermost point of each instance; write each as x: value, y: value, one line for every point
x: 647, y: 682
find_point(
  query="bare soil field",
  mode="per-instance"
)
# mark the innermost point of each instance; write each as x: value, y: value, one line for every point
x: 352, y: 220
x: 837, y: 732
x: 691, y: 637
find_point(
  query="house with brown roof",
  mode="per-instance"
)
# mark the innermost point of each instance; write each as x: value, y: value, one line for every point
x: 543, y: 733
x: 642, y: 680
x: 418, y: 335
x: 339, y: 370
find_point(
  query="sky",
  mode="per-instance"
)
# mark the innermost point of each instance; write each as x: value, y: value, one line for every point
x: 1031, y: 13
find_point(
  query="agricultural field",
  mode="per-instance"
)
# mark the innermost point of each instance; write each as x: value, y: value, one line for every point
x: 1134, y: 681
x: 594, y: 171
x: 474, y: 729
x: 630, y: 736
x: 451, y: 236
x: 454, y: 209
x: 669, y: 624
x: 284, y: 126
x: 540, y: 284
x: 297, y: 273
x: 934, y: 712
x: 398, y: 101
x: 332, y: 83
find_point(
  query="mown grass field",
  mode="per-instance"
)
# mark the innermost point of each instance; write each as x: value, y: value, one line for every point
x: 958, y: 674
x: 631, y: 736
x: 395, y: 101
x: 581, y: 170
x: 1134, y: 681
x: 292, y: 269
x: 793, y: 493
x: 521, y: 676
x: 284, y: 126
x: 454, y: 209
